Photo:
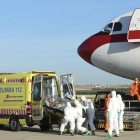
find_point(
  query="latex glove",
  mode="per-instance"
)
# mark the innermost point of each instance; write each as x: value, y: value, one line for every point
x: 68, y: 95
x: 107, y: 114
x: 119, y: 114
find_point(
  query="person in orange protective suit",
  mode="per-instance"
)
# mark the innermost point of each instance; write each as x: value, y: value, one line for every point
x: 106, y: 118
x: 135, y: 89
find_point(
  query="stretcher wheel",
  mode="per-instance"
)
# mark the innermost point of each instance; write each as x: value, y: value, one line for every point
x: 45, y: 127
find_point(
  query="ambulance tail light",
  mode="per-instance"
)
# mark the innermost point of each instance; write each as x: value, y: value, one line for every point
x: 29, y: 108
x: 131, y: 126
x: 32, y: 121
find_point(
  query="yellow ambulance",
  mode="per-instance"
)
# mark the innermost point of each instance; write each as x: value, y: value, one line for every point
x: 22, y: 94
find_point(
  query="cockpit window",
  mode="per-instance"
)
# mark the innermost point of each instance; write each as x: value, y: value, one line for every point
x: 117, y: 26
x: 108, y: 28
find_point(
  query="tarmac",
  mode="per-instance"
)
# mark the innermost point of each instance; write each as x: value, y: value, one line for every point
x: 35, y: 133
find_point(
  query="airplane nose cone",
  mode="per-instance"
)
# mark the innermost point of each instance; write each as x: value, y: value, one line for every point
x: 88, y: 47
x: 84, y: 51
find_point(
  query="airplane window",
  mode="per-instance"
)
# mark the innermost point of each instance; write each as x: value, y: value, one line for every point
x: 117, y: 26
x: 108, y: 28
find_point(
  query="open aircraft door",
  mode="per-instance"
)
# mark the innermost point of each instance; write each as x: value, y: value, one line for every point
x: 37, y: 97
x: 67, y: 86
x: 134, y: 27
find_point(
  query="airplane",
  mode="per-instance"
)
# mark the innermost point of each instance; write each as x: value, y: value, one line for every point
x: 116, y: 48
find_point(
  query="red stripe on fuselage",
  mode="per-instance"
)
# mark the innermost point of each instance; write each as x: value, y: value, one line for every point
x: 134, y: 34
x: 86, y: 49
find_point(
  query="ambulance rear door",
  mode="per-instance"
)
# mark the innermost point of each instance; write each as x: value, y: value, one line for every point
x: 37, y: 111
x: 1, y: 106
x: 67, y: 86
x: 134, y: 27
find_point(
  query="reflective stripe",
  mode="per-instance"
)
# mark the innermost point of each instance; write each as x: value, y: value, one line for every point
x: 13, y: 111
x: 36, y: 111
x: 16, y: 80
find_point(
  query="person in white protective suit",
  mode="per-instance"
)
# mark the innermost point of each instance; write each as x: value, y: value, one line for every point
x: 121, y: 103
x: 70, y: 115
x: 113, y: 111
x: 80, y: 118
x: 90, y: 113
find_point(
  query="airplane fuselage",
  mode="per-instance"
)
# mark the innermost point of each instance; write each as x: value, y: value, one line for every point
x: 110, y: 50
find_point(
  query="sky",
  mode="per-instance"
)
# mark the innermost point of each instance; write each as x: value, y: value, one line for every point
x: 44, y: 35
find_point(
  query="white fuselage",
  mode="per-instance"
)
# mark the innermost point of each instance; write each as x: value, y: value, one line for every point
x: 122, y: 59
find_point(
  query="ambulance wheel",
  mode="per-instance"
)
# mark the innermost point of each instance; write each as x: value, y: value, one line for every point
x: 45, y: 127
x: 14, y: 124
x: 1, y: 125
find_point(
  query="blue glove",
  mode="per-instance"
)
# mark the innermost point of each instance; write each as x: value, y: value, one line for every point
x: 107, y: 114
x: 68, y: 95
x: 119, y: 114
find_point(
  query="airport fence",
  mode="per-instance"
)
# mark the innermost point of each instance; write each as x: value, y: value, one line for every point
x: 95, y: 90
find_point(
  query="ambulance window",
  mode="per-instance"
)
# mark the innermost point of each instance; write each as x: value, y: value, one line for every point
x: 117, y: 26
x: 108, y: 28
x: 55, y: 92
x: 49, y: 87
x: 37, y: 92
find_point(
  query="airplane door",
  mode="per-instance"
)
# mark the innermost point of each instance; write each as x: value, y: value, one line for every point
x: 67, y: 86
x: 134, y: 27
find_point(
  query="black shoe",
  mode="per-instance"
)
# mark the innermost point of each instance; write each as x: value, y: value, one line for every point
x: 106, y: 131
x: 93, y: 133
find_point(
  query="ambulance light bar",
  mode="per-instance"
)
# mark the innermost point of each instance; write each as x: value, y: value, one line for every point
x: 6, y: 73
x: 41, y: 72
